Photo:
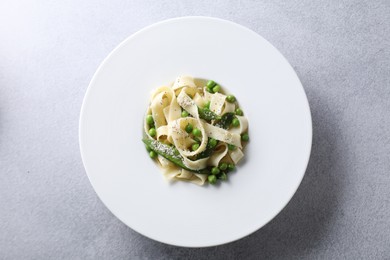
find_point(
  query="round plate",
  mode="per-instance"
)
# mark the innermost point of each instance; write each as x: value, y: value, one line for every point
x: 181, y: 213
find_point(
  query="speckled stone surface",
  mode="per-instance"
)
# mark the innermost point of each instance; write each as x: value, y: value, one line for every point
x: 49, y: 51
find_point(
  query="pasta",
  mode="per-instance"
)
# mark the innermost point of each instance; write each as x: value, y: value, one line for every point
x: 195, y: 132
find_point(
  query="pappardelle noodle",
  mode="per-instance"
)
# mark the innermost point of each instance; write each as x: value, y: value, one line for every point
x: 195, y: 133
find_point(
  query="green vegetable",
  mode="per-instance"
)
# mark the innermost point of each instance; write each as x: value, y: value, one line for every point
x: 209, y: 149
x: 195, y: 146
x: 152, y: 154
x: 170, y: 153
x: 210, y: 84
x: 245, y: 137
x: 147, y: 148
x: 215, y: 170
x: 226, y: 120
x: 207, y: 105
x: 149, y: 120
x: 196, y: 132
x: 231, y: 167
x: 206, y: 114
x: 239, y: 112
x: 231, y: 147
x: 212, y: 143
x: 152, y: 132
x: 230, y: 98
x: 216, y: 89
x: 184, y: 113
x: 189, y: 128
x: 212, y: 179
x: 235, y: 122
x: 222, y: 176
x: 223, y: 166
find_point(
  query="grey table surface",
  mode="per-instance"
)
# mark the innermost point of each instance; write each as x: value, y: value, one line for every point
x: 49, y: 51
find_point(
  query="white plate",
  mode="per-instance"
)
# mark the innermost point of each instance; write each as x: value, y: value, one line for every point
x: 184, y: 214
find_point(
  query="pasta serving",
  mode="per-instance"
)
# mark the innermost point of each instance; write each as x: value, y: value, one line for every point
x: 195, y: 133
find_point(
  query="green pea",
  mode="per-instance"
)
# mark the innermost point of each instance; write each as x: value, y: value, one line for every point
x: 210, y: 84
x: 215, y: 170
x: 216, y: 89
x: 239, y: 112
x: 231, y: 167
x: 152, y: 154
x: 195, y: 147
x: 148, y: 148
x: 152, y: 132
x: 210, y: 90
x: 222, y: 176
x: 184, y: 113
x: 196, y: 132
x: 235, y: 122
x: 245, y: 137
x: 149, y: 119
x: 212, y: 142
x: 212, y: 179
x: 189, y: 128
x: 223, y: 166
x: 230, y: 98
x: 207, y: 105
x: 231, y: 147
